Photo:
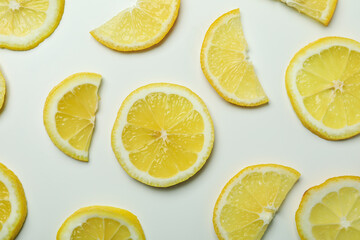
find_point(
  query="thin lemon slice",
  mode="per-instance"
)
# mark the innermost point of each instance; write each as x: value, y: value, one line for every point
x: 225, y: 63
x: 26, y: 23
x: 323, y: 84
x: 320, y: 10
x: 331, y: 211
x: 163, y: 134
x: 13, y: 207
x: 2, y: 90
x: 249, y: 201
x: 140, y: 26
x: 101, y: 223
x: 69, y: 114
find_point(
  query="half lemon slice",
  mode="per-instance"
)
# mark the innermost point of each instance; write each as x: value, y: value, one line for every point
x: 2, y: 90
x: 69, y: 114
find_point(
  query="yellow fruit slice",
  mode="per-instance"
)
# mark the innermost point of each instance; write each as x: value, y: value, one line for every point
x: 323, y: 84
x: 26, y: 23
x: 101, y: 223
x: 249, y: 201
x: 320, y: 10
x: 225, y: 63
x: 138, y: 27
x: 13, y: 207
x: 331, y: 211
x: 163, y: 134
x: 2, y: 90
x: 69, y: 114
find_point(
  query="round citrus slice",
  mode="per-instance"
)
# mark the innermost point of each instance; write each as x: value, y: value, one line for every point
x: 138, y: 27
x: 2, y: 90
x: 249, y: 201
x: 69, y: 114
x: 323, y: 84
x: 101, y: 222
x: 320, y: 10
x: 163, y: 134
x: 225, y: 63
x: 13, y: 207
x: 25, y: 24
x: 331, y: 210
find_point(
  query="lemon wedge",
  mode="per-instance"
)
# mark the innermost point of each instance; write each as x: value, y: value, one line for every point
x: 2, y: 90
x: 69, y: 114
x: 163, y: 134
x: 25, y: 24
x: 225, y: 63
x: 249, y: 201
x: 138, y: 27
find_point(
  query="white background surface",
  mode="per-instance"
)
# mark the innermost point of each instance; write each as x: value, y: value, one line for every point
x: 57, y: 185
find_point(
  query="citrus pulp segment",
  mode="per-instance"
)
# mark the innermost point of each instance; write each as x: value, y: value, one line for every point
x: 69, y: 114
x: 138, y: 27
x: 249, y: 201
x: 320, y: 10
x: 2, y: 90
x: 26, y: 23
x: 331, y: 211
x: 13, y: 209
x: 323, y: 84
x: 225, y: 63
x: 163, y: 134
x: 101, y: 223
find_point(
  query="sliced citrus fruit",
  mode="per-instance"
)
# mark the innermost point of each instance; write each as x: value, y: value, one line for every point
x: 323, y: 84
x: 320, y: 10
x: 26, y: 23
x: 2, y: 90
x: 13, y: 207
x: 163, y: 134
x: 249, y: 201
x: 225, y: 63
x: 69, y: 114
x: 138, y: 27
x: 101, y: 222
x: 331, y: 211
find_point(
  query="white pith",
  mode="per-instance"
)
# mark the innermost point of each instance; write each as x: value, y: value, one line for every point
x: 124, y: 154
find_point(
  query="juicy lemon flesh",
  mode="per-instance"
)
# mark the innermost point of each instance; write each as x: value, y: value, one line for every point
x: 20, y: 17
x: 137, y: 24
x: 252, y: 203
x: 337, y: 216
x: 312, y: 8
x: 163, y: 134
x: 5, y: 205
x: 101, y: 229
x: 329, y: 84
x: 75, y: 117
x: 227, y: 61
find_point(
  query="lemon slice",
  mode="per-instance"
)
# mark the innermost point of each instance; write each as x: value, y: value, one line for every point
x: 69, y: 114
x: 25, y: 24
x: 331, y: 210
x: 249, y: 201
x: 138, y: 27
x: 225, y: 63
x: 320, y: 10
x: 2, y: 90
x: 13, y: 208
x: 101, y: 222
x: 323, y: 84
x: 163, y: 134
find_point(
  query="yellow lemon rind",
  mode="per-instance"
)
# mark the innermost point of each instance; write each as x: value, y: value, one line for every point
x: 313, y: 190
x: 145, y: 178
x: 290, y: 77
x: 42, y: 36
x: 2, y: 90
x: 212, y: 80
x: 19, y: 194
x: 82, y: 215
x: 229, y: 184
x: 49, y: 111
x: 140, y: 46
